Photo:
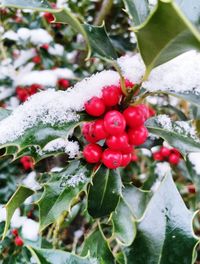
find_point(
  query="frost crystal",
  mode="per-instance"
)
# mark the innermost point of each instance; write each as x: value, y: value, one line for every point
x: 181, y: 127
x: 73, y: 180
x: 69, y: 147
x: 54, y: 107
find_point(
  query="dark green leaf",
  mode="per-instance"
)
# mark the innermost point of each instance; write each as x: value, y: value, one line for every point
x: 100, y: 42
x: 164, y: 234
x: 96, y: 246
x: 180, y: 140
x: 104, y: 193
x: 159, y: 40
x: 50, y: 256
x: 138, y: 10
x: 15, y: 201
x: 62, y: 191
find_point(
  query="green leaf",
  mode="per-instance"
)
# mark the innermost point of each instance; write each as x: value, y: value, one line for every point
x: 129, y: 210
x: 4, y: 113
x: 96, y: 246
x: 138, y: 10
x: 164, y: 234
x: 50, y: 256
x: 21, y: 194
x: 42, y: 4
x: 159, y: 40
x: 100, y: 42
x: 175, y: 136
x: 62, y: 191
x: 104, y: 193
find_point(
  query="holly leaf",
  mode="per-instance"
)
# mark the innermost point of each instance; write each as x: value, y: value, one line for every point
x: 176, y: 135
x: 21, y: 194
x: 129, y: 210
x: 52, y: 256
x: 41, y: 4
x: 164, y: 234
x: 138, y: 10
x: 62, y: 191
x: 104, y: 192
x: 100, y: 42
x: 158, y: 34
x: 4, y: 113
x: 96, y: 246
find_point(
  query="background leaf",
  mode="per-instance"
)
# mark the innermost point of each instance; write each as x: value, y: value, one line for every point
x: 15, y: 201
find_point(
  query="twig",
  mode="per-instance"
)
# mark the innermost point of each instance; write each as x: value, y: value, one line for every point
x: 104, y: 11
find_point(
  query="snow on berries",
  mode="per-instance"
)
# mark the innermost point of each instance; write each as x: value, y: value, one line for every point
x: 118, y: 132
x: 173, y: 156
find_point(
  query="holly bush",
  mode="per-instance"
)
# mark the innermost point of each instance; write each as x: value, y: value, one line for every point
x: 99, y: 131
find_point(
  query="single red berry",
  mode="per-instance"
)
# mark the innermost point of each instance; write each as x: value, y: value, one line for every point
x: 152, y: 112
x: 118, y: 142
x: 88, y: 132
x: 175, y: 151
x: 127, y: 149
x: 99, y: 131
x: 158, y: 156
x: 95, y: 106
x: 22, y: 93
x: 18, y: 241
x: 33, y: 89
x: 134, y: 116
x: 191, y: 188
x: 114, y: 122
x: 111, y: 95
x: 126, y: 159
x: 165, y: 152
x: 63, y: 83
x: 145, y: 110
x: 174, y: 159
x: 92, y: 153
x: 137, y: 136
x: 27, y: 162
x: 36, y: 59
x: 45, y: 46
x: 48, y: 17
x: 14, y: 232
x: 134, y: 157
x: 112, y: 159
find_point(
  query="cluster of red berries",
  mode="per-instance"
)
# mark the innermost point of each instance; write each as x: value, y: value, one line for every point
x: 120, y: 131
x: 18, y: 240
x: 23, y: 93
x: 173, y: 156
x: 27, y: 162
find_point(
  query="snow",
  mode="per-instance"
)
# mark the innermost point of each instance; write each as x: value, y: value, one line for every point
x: 24, y: 56
x: 69, y: 147
x: 35, y: 36
x: 30, y: 181
x: 194, y: 158
x: 57, y: 50
x: 74, y: 180
x: 30, y: 229
x: 181, y: 127
x: 54, y: 107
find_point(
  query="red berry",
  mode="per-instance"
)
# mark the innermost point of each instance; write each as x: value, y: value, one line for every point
x: 118, y: 142
x: 95, y: 106
x: 191, y: 188
x: 157, y: 156
x: 36, y: 59
x: 18, y: 241
x: 88, y: 132
x: 27, y: 162
x: 175, y: 151
x: 63, y: 83
x: 145, y: 110
x: 45, y: 46
x: 92, y: 153
x: 49, y: 17
x: 134, y: 157
x: 138, y: 136
x: 99, y: 130
x: 114, y: 122
x: 111, y: 95
x: 34, y: 88
x: 22, y: 93
x: 127, y: 149
x: 152, y: 112
x: 174, y: 159
x: 112, y: 159
x: 165, y: 152
x: 126, y: 159
x: 134, y: 116
x: 14, y: 232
